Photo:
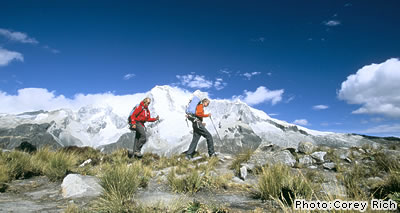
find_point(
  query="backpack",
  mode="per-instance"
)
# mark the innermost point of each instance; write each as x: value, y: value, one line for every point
x: 130, y: 114
x: 191, y: 108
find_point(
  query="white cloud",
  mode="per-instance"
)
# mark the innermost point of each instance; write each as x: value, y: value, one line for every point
x: 320, y: 107
x: 393, y: 128
x: 302, y: 122
x: 55, y: 51
x: 18, y: 36
x: 7, y: 56
x: 194, y: 81
x: 219, y: 83
x: 376, y: 87
x: 129, y: 76
x: 33, y: 99
x: 226, y: 72
x: 332, y: 23
x: 261, y: 95
x: 249, y: 75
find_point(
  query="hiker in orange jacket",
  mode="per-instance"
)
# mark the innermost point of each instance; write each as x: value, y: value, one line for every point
x: 140, y: 116
x: 199, y: 130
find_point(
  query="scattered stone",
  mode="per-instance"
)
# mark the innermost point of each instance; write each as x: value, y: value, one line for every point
x: 75, y: 186
x: 196, y: 158
x: 348, y: 160
x: 237, y: 180
x: 261, y: 158
x: 305, y: 147
x: 356, y: 154
x: 306, y: 160
x: 312, y: 167
x: 243, y: 172
x: 85, y: 163
x: 249, y: 166
x: 330, y: 166
x: 227, y: 157
x: 319, y: 156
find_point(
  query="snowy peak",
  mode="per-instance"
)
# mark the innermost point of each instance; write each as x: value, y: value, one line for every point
x: 238, y: 124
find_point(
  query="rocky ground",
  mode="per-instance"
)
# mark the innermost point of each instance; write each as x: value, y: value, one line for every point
x: 38, y: 194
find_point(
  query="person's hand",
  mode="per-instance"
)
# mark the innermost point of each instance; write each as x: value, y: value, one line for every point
x: 158, y: 117
x: 204, y: 124
x: 209, y: 114
x: 134, y: 126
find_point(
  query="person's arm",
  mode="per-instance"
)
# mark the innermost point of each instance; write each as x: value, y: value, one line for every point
x: 152, y: 119
x: 200, y: 111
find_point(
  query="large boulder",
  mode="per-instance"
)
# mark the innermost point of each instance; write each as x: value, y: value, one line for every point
x: 77, y: 186
x: 305, y: 147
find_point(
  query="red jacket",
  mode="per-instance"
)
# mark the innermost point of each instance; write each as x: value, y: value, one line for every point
x: 142, y: 114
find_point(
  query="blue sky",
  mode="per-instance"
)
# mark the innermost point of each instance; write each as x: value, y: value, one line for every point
x: 291, y: 59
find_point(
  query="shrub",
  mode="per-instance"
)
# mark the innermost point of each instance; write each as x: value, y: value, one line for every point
x: 355, y: 182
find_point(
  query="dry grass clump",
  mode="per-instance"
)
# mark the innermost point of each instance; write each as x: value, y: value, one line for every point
x: 239, y: 159
x: 120, y: 182
x: 279, y: 182
x: 53, y: 164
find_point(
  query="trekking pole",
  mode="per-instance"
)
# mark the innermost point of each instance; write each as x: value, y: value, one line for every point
x: 215, y: 128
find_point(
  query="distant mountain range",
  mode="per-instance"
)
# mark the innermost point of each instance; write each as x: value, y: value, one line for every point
x: 239, y: 126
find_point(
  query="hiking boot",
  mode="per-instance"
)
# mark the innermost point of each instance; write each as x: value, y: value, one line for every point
x: 188, y: 157
x: 137, y: 154
x: 215, y: 154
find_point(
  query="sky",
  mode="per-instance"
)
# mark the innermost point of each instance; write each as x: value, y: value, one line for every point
x: 328, y: 65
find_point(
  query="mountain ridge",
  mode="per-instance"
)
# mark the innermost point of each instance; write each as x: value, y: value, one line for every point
x: 239, y: 125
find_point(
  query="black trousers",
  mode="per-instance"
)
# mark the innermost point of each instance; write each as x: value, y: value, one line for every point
x: 198, y: 131
x: 140, y: 138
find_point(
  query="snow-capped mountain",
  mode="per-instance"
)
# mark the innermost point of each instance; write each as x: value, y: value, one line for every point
x: 239, y: 125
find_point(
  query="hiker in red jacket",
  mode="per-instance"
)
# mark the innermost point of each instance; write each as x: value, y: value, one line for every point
x: 140, y: 116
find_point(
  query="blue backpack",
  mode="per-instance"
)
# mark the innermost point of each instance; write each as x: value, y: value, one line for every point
x: 191, y: 108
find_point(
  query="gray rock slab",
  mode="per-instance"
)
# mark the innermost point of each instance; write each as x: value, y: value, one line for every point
x: 75, y: 186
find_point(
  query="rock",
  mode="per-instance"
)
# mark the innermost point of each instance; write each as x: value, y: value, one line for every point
x: 312, y: 167
x: 243, y: 172
x: 342, y: 153
x: 86, y: 162
x: 319, y: 156
x: 333, y: 189
x: 227, y: 157
x: 305, y: 147
x: 237, y: 180
x: 356, y: 154
x: 329, y: 166
x: 306, y: 160
x: 76, y: 186
x: 26, y: 147
x: 249, y: 166
x: 284, y: 157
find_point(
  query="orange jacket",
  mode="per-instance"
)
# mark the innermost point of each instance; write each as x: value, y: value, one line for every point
x: 200, y: 112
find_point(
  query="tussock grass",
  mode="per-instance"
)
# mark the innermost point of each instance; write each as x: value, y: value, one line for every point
x: 120, y: 182
x: 190, y: 183
x: 277, y: 181
x: 355, y: 182
x: 239, y: 159
x: 390, y: 187
x: 386, y: 163
x: 19, y: 164
x: 84, y: 153
x: 120, y: 156
x: 55, y: 165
